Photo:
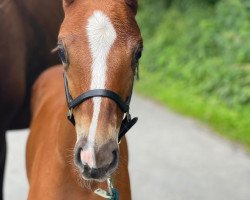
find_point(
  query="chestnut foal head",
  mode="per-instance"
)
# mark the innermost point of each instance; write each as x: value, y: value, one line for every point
x: 100, y: 45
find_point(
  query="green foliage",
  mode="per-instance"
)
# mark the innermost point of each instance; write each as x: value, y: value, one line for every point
x: 203, y: 46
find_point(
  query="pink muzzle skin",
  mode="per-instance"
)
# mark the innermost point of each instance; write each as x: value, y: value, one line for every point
x: 87, y: 157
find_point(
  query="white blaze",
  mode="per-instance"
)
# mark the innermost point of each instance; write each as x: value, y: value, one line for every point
x: 101, y: 37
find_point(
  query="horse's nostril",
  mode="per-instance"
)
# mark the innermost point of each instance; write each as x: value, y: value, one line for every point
x: 115, y: 155
x: 78, y: 154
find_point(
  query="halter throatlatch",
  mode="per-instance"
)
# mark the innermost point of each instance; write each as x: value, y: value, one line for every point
x: 127, y: 122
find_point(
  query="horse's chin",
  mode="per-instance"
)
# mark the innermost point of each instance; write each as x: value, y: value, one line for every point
x: 102, y: 177
x: 100, y: 180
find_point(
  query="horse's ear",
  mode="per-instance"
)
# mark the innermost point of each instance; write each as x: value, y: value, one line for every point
x: 67, y: 2
x: 133, y: 4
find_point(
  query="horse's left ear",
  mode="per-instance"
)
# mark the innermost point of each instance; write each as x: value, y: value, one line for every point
x: 133, y: 4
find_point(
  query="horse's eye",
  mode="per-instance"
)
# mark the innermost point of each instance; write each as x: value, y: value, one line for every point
x: 138, y: 55
x: 136, y: 58
x: 62, y: 54
x: 135, y: 63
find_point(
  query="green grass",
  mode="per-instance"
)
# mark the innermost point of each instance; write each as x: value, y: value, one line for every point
x: 230, y: 123
x: 196, y: 60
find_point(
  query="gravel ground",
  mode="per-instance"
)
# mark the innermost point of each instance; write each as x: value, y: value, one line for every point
x: 171, y: 158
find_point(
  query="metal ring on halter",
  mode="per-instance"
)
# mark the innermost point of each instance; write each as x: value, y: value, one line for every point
x: 128, y: 116
x: 110, y: 186
x: 111, y: 194
x: 70, y: 113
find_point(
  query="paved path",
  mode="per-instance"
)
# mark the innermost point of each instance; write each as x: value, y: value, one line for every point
x: 171, y: 158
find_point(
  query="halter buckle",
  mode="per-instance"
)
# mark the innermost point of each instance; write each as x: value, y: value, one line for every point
x: 111, y: 194
x: 110, y: 186
x: 70, y: 113
x: 102, y: 193
x: 128, y: 116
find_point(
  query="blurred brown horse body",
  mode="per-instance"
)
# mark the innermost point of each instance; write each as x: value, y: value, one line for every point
x: 28, y: 32
x: 50, y: 167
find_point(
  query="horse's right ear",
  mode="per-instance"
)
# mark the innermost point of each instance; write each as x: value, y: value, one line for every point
x: 67, y: 2
x: 133, y: 4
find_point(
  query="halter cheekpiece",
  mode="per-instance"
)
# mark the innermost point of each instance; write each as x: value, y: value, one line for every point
x: 127, y: 122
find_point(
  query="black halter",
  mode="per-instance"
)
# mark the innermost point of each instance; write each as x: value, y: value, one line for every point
x: 127, y: 122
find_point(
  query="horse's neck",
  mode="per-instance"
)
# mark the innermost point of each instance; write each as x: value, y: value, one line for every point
x: 66, y: 138
x: 46, y: 14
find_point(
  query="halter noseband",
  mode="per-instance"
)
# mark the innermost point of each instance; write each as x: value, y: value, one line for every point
x: 127, y: 122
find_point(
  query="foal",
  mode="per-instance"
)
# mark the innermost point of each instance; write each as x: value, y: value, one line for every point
x: 99, y: 45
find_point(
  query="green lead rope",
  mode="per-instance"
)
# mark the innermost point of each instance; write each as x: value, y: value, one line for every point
x: 115, y: 194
